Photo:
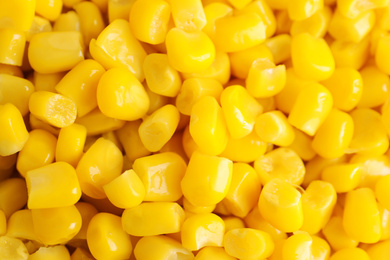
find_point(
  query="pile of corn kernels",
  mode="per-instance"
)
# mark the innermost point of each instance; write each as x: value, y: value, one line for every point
x: 190, y: 129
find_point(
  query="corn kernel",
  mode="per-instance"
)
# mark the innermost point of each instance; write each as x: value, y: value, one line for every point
x: 156, y: 101
x: 211, y: 252
x: 213, y: 12
x: 12, y: 248
x: 188, y: 207
x: 382, y: 53
x: 350, y: 253
x: 302, y: 145
x: 207, y: 179
x: 280, y: 47
x: 59, y: 252
x: 13, y: 195
x: 96, y: 123
x: 349, y: 54
x: 188, y: 15
x: 11, y: 70
x: 155, y: 218
x: 336, y: 236
x: 298, y: 246
x: 352, y: 8
x: 382, y: 191
x: 273, y: 127
x: 68, y: 21
x: 379, y: 251
x: 373, y: 167
x: 256, y: 221
x: 39, y: 25
x: 320, y: 249
x: 12, y: 46
x: 81, y: 254
x: 280, y: 204
x: 118, y: 9
x: 283, y: 21
x: 49, y: 9
x: 17, y: 14
x: 316, y: 25
x: 385, y: 221
x: 91, y: 20
x: 47, y: 82
x: 343, y: 177
x: 87, y: 211
x: 303, y: 9
x: 3, y: 223
x: 376, y: 87
x: 70, y: 144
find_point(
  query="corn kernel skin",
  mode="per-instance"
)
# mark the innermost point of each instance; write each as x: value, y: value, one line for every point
x: 316, y: 25
x: 13, y: 195
x: 15, y: 90
x: 156, y: 129
x: 189, y: 52
x: 12, y: 46
x: 99, y: 165
x: 213, y: 12
x: 201, y: 230
x: 273, y: 127
x: 281, y: 163
x: 336, y: 236
x: 70, y: 144
x: 237, y: 33
x: 120, y: 95
x: 49, y: 9
x: 188, y: 15
x: 161, y: 175
x: 13, y: 248
x: 68, y: 21
x: 155, y: 218
x: 311, y: 108
x: 22, y: 18
x: 54, y: 109
x: 343, y: 177
x: 14, y: 134
x: 377, y: 90
x: 318, y: 202
x: 211, y: 252
x: 382, y: 191
x: 51, y: 52
x: 349, y: 54
x: 350, y: 253
x: 80, y: 85
x: 56, y: 225
x: 311, y: 57
x: 29, y: 159
x: 106, y: 49
x: 361, y: 219
x: 373, y: 167
x: 106, y: 124
x: 303, y: 9
x: 207, y: 179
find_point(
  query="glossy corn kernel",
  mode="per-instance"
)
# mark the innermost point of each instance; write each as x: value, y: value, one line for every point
x: 13, y: 248
x: 273, y: 127
x: 188, y: 15
x: 373, y: 167
x: 161, y: 175
x: 91, y: 20
x: 213, y: 12
x: 382, y: 191
x: 12, y: 46
x: 59, y: 252
x: 211, y: 252
x: 352, y: 8
x: 13, y: 195
x: 207, y: 179
x: 280, y: 163
x: 188, y: 207
x: 361, y: 219
x: 312, y: 106
x: 382, y: 53
x: 349, y: 54
x: 96, y: 123
x: 343, y: 177
x: 39, y: 25
x: 350, y: 253
x: 19, y: 225
x: 47, y: 82
x: 68, y: 21
x: 17, y: 14
x: 379, y: 251
x: 51, y: 52
x: 298, y: 246
x: 14, y: 134
x: 320, y: 249
x: 369, y: 135
x: 189, y: 51
x: 316, y: 25
x: 377, y: 87
x: 244, y: 190
x: 156, y: 129
x: 280, y: 47
x: 56, y: 225
x: 311, y: 57
x: 106, y: 49
x: 70, y: 144
x: 265, y: 79
x: 80, y: 85
x: 247, y: 243
x: 29, y: 159
x: 303, y: 9
x: 49, y: 9
x: 318, y: 202
x: 194, y: 89
x: 87, y: 211
x: 118, y: 9
x: 156, y: 101
x: 163, y: 248
x: 98, y: 166
x: 280, y: 204
x: 155, y: 218
x: 54, y: 109
x: 120, y: 95
x: 336, y: 236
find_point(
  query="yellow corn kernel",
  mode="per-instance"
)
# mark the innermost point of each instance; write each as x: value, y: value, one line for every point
x: 280, y: 47
x: 194, y: 89
x: 53, y: 185
x: 247, y: 243
x: 298, y: 246
x: 59, y: 252
x: 49, y: 9
x: 163, y: 248
x: 161, y: 175
x: 351, y: 30
x: 377, y: 87
x: 246, y: 149
x: 188, y: 15
x: 316, y: 25
x: 283, y: 21
x: 87, y: 211
x: 213, y: 12
x: 35, y: 123
x: 221, y: 209
x: 12, y: 248
x: 208, y: 126
x: 281, y: 163
x: 218, y: 70
x: 17, y: 14
x: 350, y: 253
x: 303, y: 9
x: 318, y: 202
x: 20, y: 225
x: 273, y: 127
x: 39, y: 25
x: 207, y: 179
x: 385, y: 116
x: 278, y: 249
x: 233, y: 223
x: 265, y: 79
x: 211, y: 252
x: 373, y: 167
x: 312, y: 106
x: 11, y: 70
x: 81, y: 254
x: 320, y: 249
x: 379, y: 251
x: 71, y: 3
x: 189, y: 52
x: 201, y: 230
x: 91, y: 20
x: 14, y: 134
x: 56, y: 225
x: 349, y: 54
x: 117, y: 36
x: 280, y: 204
x: 118, y: 9
x: 15, y: 90
x: 336, y: 236
x: 175, y: 145
x: 99, y: 165
x: 155, y: 218
x: 352, y: 8
x: 7, y: 166
x: 156, y: 129
x: 54, y: 109
x: 161, y: 78
x: 385, y: 221
x: 120, y: 95
x: 70, y: 144
x: 369, y: 137
x: 382, y: 191
x: 376, y: 35
x: 149, y: 20
x: 97, y: 123
x: 302, y: 145
x: 3, y: 223
x: 361, y: 219
x: 344, y: 177
x: 244, y: 190
x: 237, y: 33
x: 12, y: 46
x: 188, y: 207
x: 68, y: 21
x: 51, y: 52
x: 156, y: 101
x: 29, y: 159
x: 311, y: 57
x: 47, y: 82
